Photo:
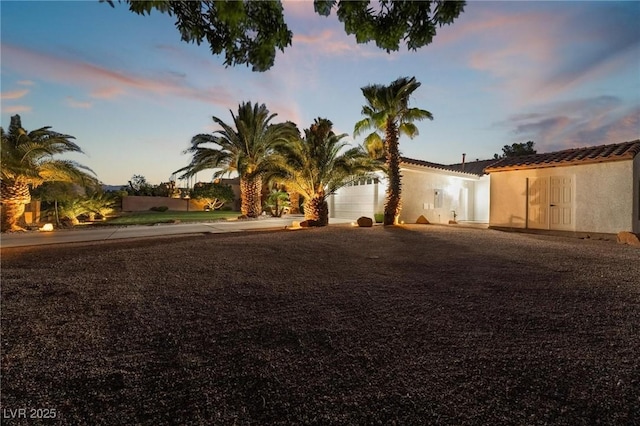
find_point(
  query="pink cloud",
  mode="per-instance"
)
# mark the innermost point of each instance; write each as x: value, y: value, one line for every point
x: 512, y: 49
x: 535, y: 56
x: 326, y: 42
x: 15, y: 109
x: 285, y: 110
x: 298, y: 68
x: 15, y: 94
x: 107, y: 93
x: 487, y: 21
x: 627, y: 128
x: 102, y: 82
x: 332, y: 42
x: 582, y: 122
x: 313, y: 39
x: 299, y: 9
x: 562, y: 81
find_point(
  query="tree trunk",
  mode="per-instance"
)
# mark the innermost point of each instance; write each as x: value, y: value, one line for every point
x: 393, y: 205
x: 14, y: 196
x: 294, y: 200
x: 250, y: 195
x: 55, y: 204
x: 317, y: 209
x: 11, y: 213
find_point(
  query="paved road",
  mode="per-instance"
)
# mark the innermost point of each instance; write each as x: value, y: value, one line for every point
x: 33, y: 238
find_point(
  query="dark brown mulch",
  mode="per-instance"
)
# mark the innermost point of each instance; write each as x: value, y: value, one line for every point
x: 339, y: 325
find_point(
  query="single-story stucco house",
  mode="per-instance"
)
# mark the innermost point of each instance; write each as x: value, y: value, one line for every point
x: 436, y: 191
x: 594, y: 189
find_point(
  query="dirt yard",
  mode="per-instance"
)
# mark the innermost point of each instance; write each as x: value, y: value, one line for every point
x: 340, y: 325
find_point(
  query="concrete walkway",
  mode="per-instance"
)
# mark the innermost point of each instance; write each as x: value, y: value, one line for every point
x: 33, y: 238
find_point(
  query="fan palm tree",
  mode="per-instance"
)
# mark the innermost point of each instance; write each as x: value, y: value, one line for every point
x: 63, y: 200
x: 100, y: 203
x: 70, y: 209
x: 387, y: 110
x: 27, y: 162
x: 246, y: 147
x: 318, y: 164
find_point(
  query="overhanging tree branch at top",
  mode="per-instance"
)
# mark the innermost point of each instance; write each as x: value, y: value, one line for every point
x: 248, y: 32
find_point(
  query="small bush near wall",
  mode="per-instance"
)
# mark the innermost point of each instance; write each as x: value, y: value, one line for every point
x: 159, y: 209
x: 379, y: 217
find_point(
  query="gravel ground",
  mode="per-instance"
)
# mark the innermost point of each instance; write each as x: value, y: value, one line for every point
x: 338, y: 325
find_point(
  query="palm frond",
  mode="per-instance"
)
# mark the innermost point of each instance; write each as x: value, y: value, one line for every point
x: 65, y: 171
x: 318, y: 164
x: 28, y: 156
x: 363, y: 126
x: 416, y: 114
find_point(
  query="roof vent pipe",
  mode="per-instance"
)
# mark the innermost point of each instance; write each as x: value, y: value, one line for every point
x: 463, y: 157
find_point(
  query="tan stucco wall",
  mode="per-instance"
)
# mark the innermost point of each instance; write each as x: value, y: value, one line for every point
x: 602, y: 201
x: 508, y: 194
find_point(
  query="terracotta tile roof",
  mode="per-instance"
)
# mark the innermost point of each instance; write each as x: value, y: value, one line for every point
x: 471, y: 168
x: 474, y: 167
x: 592, y: 154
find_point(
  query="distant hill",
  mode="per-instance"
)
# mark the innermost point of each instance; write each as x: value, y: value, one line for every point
x: 112, y: 187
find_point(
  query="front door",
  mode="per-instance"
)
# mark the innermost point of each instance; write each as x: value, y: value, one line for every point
x: 550, y: 203
x: 561, y: 203
x: 538, y: 203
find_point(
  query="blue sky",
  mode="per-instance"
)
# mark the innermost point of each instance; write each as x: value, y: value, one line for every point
x: 563, y: 74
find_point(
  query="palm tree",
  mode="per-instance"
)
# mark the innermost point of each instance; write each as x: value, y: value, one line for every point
x: 246, y: 149
x: 27, y: 161
x: 100, y: 203
x: 317, y: 165
x: 277, y: 201
x: 69, y: 209
x: 388, y: 111
x: 64, y: 200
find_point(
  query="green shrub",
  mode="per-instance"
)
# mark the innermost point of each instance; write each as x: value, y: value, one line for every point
x: 214, y: 195
x: 159, y: 209
x: 276, y: 202
x: 379, y: 217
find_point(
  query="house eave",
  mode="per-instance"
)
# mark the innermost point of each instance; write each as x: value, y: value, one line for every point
x: 420, y: 165
x: 628, y: 156
x: 420, y: 168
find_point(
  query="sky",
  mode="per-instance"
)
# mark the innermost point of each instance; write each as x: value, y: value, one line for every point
x: 562, y: 74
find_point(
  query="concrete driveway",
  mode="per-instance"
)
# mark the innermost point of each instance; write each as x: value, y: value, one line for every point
x: 32, y: 238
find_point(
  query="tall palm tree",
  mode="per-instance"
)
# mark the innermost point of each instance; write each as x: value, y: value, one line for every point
x: 245, y: 147
x: 387, y: 110
x: 318, y: 164
x: 27, y: 162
